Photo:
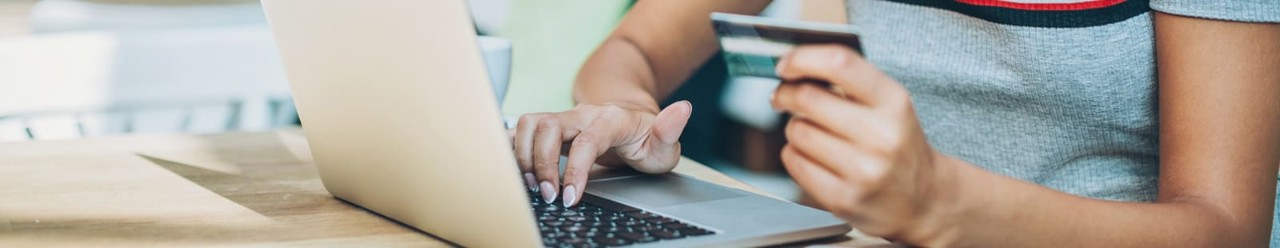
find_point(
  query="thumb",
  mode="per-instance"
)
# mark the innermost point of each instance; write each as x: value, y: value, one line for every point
x: 670, y: 122
x: 662, y: 147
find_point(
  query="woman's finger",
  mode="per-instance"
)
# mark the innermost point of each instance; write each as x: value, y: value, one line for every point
x: 817, y: 103
x: 845, y: 70
x: 592, y: 142
x: 819, y: 182
x: 836, y: 155
x: 662, y: 146
x: 523, y: 143
x: 546, y: 156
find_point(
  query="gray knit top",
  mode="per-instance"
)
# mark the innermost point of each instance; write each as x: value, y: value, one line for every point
x: 1061, y: 93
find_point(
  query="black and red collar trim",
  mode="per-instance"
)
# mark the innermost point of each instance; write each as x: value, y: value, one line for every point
x: 1048, y: 15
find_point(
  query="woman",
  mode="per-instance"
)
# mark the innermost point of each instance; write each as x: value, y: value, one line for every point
x: 975, y: 122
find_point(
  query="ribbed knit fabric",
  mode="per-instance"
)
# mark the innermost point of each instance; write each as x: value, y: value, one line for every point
x: 1060, y: 93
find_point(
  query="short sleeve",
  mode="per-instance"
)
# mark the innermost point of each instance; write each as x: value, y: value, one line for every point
x: 1229, y: 10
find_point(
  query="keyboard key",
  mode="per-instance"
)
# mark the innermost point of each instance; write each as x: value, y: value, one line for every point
x: 613, y: 206
x: 609, y: 241
x: 573, y: 241
x: 574, y: 228
x: 614, y: 218
x: 662, y: 221
x: 695, y: 231
x: 613, y: 229
x: 676, y: 225
x: 646, y: 228
x: 608, y: 224
x: 644, y: 215
x: 633, y: 236
x: 560, y: 235
x: 646, y: 239
x: 664, y: 234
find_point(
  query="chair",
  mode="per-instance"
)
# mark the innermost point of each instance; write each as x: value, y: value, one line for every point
x: 186, y: 116
x: 122, y: 15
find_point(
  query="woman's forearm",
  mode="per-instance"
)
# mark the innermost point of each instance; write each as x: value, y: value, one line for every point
x: 656, y: 47
x: 617, y: 73
x: 997, y: 211
x: 863, y: 155
x: 1218, y: 141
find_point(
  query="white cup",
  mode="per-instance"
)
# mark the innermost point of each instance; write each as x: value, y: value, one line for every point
x: 497, y: 59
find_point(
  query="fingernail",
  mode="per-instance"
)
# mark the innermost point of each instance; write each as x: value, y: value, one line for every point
x: 528, y: 182
x: 548, y: 193
x: 773, y: 101
x: 569, y: 196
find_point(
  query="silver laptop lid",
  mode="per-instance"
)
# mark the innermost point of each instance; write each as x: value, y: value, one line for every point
x: 400, y: 116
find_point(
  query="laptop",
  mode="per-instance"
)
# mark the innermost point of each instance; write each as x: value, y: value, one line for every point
x: 402, y: 120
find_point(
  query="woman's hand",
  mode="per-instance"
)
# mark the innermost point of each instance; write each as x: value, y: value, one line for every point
x: 858, y: 148
x: 638, y: 137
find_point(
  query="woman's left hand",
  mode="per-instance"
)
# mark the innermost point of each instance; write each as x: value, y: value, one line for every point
x: 858, y: 148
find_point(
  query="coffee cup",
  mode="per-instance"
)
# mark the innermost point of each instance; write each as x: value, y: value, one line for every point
x: 497, y: 61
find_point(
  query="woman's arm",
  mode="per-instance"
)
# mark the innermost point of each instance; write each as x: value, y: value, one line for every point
x: 1219, y: 94
x: 656, y: 47
x: 864, y: 156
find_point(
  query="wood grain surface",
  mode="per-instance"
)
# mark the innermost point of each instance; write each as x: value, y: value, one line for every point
x: 233, y: 189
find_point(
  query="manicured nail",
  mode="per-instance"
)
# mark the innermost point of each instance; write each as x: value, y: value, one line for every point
x: 569, y: 196
x: 548, y: 193
x: 528, y: 182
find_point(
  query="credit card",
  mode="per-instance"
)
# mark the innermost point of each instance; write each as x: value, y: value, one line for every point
x: 752, y: 45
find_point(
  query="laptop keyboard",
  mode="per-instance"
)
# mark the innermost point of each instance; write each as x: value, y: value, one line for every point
x: 604, y: 225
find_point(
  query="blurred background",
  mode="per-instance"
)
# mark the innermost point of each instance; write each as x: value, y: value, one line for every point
x: 85, y: 68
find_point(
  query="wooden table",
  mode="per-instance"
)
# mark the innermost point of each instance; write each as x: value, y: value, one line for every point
x: 234, y: 189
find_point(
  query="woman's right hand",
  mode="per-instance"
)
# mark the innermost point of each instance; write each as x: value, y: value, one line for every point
x: 636, y: 136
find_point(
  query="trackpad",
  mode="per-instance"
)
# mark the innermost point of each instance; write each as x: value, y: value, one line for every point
x: 659, y: 190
